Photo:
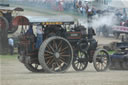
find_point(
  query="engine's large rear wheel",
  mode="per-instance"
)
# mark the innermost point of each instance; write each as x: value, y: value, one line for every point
x: 80, y: 61
x: 101, y: 60
x: 55, y: 54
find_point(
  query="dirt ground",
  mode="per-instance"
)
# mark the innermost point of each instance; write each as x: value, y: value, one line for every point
x: 12, y: 72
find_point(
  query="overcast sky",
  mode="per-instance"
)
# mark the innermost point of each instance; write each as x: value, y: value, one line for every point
x: 119, y: 3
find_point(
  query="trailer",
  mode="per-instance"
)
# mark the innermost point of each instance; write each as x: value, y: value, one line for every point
x: 119, y: 60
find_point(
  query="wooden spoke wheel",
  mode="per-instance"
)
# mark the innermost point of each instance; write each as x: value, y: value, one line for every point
x: 101, y: 60
x: 33, y: 65
x: 55, y: 54
x: 3, y: 24
x: 80, y: 61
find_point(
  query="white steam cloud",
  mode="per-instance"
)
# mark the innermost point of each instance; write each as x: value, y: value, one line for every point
x: 108, y: 20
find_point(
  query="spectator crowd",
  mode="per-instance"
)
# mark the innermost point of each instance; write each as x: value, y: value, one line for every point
x: 81, y: 7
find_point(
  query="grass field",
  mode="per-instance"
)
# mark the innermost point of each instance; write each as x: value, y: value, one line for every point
x: 9, y: 56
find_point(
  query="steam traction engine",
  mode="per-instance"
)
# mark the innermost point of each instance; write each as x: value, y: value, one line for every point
x: 62, y: 46
x: 7, y: 14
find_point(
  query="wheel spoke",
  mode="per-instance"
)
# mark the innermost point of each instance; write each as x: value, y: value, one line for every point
x: 50, y: 47
x: 57, y: 64
x: 105, y: 62
x: 65, y: 55
x: 55, y: 45
x: 102, y: 65
x: 50, y: 61
x: 81, y: 66
x: 75, y: 62
x: 53, y: 66
x: 59, y: 49
x: 48, y: 57
x: 64, y: 49
x: 48, y: 52
x: 59, y: 43
x: 63, y: 62
x: 98, y: 64
x: 62, y: 53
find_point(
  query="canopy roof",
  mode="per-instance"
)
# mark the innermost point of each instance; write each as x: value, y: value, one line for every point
x: 45, y: 20
x: 50, y: 19
x: 11, y: 8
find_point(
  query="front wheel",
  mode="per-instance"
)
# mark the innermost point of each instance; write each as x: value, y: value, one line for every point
x: 80, y: 62
x: 101, y: 60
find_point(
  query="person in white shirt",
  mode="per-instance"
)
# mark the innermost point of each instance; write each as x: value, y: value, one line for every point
x: 40, y: 32
x: 11, y: 45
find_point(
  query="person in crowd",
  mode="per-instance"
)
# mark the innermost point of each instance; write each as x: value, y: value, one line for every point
x: 11, y: 45
x: 91, y: 32
x: 85, y: 7
x: 80, y: 7
x: 89, y: 15
x: 30, y: 31
x: 77, y: 7
x: 94, y: 11
x: 80, y: 3
x: 40, y: 31
x: 74, y: 4
x: 31, y: 38
x: 60, y: 5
